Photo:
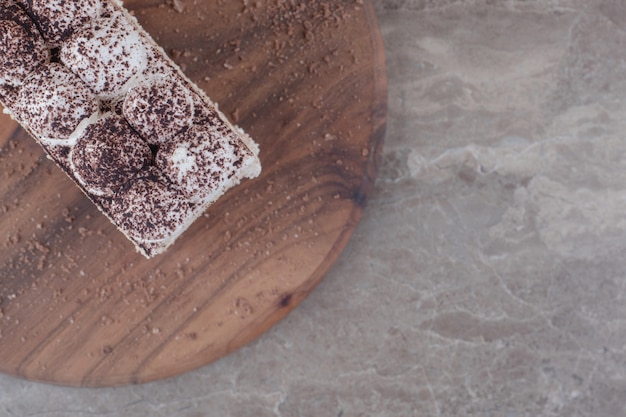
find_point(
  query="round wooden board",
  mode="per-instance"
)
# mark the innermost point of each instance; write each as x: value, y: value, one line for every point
x: 79, y: 306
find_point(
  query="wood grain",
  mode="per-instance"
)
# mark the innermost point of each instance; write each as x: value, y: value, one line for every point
x: 79, y: 307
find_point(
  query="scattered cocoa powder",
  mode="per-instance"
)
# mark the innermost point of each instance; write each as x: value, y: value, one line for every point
x: 294, y: 23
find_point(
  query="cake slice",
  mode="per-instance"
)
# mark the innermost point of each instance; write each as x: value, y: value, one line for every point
x: 145, y: 144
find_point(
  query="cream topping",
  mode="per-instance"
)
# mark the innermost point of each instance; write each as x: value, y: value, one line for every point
x: 58, y: 19
x: 107, y: 154
x: 54, y: 102
x: 159, y: 109
x: 202, y: 160
x: 149, y: 192
x: 106, y: 56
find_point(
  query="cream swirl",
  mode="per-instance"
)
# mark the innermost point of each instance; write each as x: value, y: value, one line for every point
x: 107, y: 155
x: 149, y: 209
x: 159, y: 109
x: 106, y: 56
x: 55, y: 101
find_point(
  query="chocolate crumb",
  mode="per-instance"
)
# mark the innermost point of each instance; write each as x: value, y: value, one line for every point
x: 177, y: 5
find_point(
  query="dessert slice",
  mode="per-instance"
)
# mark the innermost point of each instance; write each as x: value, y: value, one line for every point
x: 146, y: 145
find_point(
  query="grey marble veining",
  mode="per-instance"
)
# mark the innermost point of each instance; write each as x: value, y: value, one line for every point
x: 488, y: 275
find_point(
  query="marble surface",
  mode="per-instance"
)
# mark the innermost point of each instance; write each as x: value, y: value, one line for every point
x: 487, y: 277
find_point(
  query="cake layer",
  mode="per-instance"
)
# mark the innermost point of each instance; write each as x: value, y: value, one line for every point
x: 159, y: 108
